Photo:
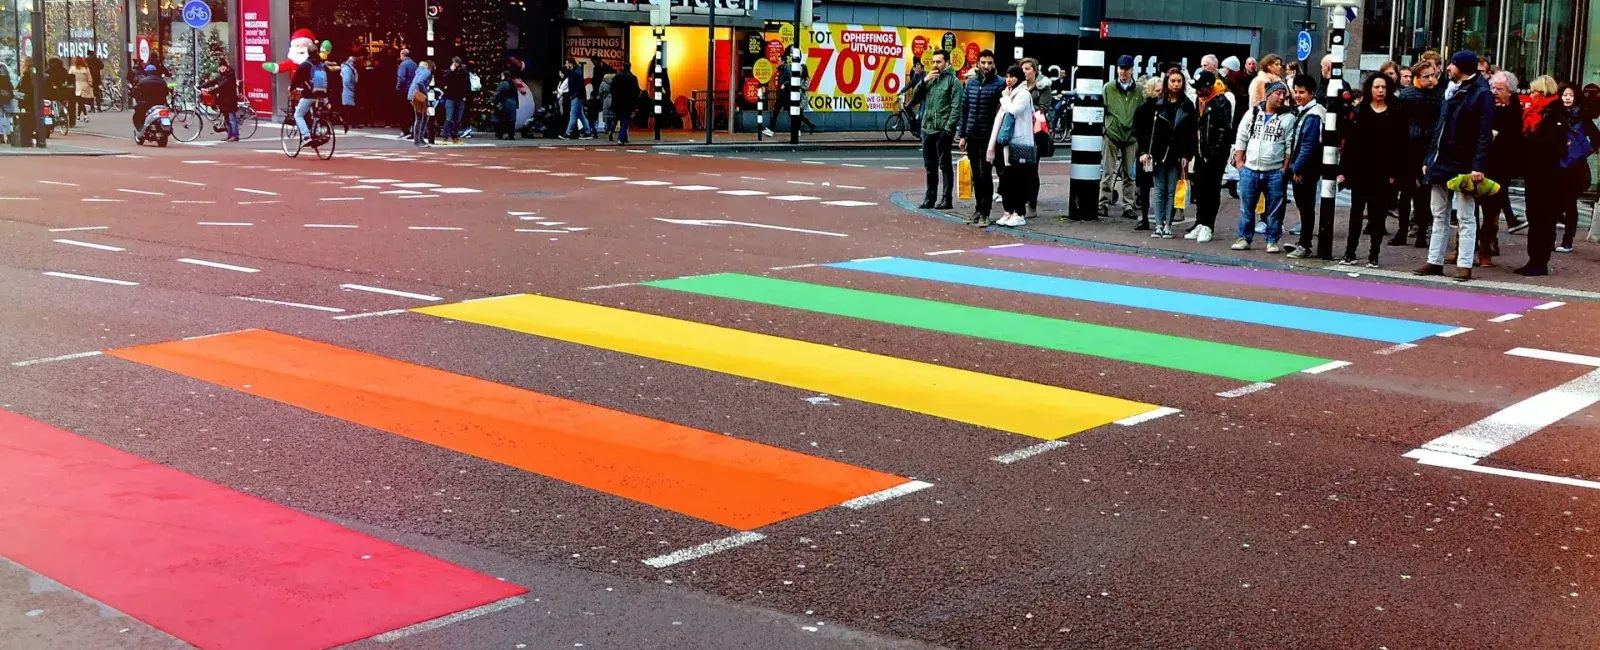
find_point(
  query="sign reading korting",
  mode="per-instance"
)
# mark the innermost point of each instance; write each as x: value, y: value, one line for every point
x: 863, y: 67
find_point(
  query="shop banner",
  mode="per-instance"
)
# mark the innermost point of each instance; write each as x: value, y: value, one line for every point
x: 604, y: 43
x: 864, y: 67
x: 255, y: 38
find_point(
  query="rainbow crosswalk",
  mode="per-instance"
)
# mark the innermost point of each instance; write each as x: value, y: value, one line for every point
x: 720, y: 478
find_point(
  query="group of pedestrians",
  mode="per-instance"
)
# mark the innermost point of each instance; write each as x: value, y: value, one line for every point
x: 1436, y: 142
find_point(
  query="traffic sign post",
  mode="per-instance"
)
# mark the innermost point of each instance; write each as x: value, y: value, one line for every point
x: 196, y: 14
x: 1302, y: 46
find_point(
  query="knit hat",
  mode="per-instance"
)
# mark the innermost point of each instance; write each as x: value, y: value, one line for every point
x: 1231, y: 63
x: 1465, y: 60
x: 1276, y: 86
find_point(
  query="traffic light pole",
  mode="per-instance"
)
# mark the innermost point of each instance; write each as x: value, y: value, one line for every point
x: 1334, y: 103
x: 1088, y: 116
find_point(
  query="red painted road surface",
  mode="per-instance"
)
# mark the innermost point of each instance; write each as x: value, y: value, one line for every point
x: 328, y: 466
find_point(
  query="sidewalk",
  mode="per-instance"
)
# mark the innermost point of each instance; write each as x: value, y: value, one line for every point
x: 1575, y: 274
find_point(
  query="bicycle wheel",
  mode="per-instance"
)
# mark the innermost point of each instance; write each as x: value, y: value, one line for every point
x: 324, y: 132
x: 289, y: 139
x: 249, y: 121
x: 894, y: 128
x: 187, y: 124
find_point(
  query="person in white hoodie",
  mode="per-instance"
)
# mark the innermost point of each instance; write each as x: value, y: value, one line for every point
x: 1265, y: 139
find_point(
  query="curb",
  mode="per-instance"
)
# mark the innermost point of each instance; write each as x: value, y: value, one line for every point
x: 899, y: 199
x: 837, y: 145
x: 74, y: 151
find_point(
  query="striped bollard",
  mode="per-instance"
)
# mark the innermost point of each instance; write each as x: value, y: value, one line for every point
x: 794, y: 93
x: 761, y: 112
x: 1333, y: 101
x: 659, y: 67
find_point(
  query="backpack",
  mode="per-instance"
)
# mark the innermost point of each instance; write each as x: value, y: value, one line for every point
x: 319, y: 79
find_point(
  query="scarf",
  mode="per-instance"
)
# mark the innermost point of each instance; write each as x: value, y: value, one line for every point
x: 1534, y: 112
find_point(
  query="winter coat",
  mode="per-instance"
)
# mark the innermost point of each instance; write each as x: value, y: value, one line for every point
x: 1214, y: 131
x: 1308, y: 141
x: 1170, y: 136
x: 348, y: 78
x: 226, y: 88
x: 83, y: 82
x: 1505, y: 153
x: 1545, y: 128
x: 1422, y: 113
x: 980, y: 105
x: 405, y: 76
x: 624, y: 93
x: 1120, y: 106
x: 1466, y: 128
x: 1266, y: 138
x: 940, y: 100
x: 1368, y: 158
x: 1258, y: 86
x: 457, y: 83
x: 1041, y: 93
x: 577, y: 86
x: 151, y: 90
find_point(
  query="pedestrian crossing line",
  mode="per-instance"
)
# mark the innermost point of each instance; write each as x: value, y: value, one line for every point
x: 1321, y: 321
x: 710, y: 476
x: 209, y: 565
x: 1037, y: 410
x: 1133, y: 346
x: 1286, y: 280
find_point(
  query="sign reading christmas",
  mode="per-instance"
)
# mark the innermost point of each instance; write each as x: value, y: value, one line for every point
x: 255, y: 34
x: 863, y: 67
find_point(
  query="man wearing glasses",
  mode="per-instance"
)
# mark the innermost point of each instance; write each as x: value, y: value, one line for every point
x: 1421, y: 101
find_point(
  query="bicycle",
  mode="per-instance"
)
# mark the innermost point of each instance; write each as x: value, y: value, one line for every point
x: 901, y: 122
x: 249, y: 120
x: 319, y: 121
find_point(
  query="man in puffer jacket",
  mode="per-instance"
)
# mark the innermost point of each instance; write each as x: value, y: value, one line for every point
x: 1216, y: 136
x: 980, y: 105
x: 1420, y: 101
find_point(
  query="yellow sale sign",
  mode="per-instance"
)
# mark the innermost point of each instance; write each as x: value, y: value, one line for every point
x: 863, y: 67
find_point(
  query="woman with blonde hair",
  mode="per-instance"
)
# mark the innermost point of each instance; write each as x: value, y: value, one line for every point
x: 1271, y: 70
x: 83, y: 82
x: 420, y: 86
x: 1545, y: 123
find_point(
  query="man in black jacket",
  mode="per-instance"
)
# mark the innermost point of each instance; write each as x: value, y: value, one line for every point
x: 624, y: 97
x: 1460, y: 148
x: 980, y: 106
x: 1216, y: 135
x: 1420, y: 101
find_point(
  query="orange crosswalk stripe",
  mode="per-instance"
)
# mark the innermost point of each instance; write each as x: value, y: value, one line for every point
x: 714, y: 477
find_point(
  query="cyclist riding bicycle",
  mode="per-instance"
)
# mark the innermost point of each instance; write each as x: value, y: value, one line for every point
x: 311, y: 82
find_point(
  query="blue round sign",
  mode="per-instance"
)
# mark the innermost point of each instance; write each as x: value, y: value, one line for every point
x: 1302, y: 47
x: 196, y: 13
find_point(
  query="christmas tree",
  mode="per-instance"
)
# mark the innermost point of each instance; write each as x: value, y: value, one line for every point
x: 480, y: 40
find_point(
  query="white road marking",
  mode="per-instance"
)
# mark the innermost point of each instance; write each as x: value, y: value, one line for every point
x: 558, y: 232
x: 793, y: 266
x: 694, y: 188
x: 442, y: 621
x: 391, y: 292
x: 380, y: 181
x: 198, y: 162
x: 79, y: 228
x: 387, y: 312
x: 1549, y: 305
x: 497, y: 167
x: 335, y: 310
x: 102, y: 247
x: 1453, y: 333
x: 1513, y: 423
x: 1563, y: 357
x: 1505, y: 318
x: 812, y: 162
x: 606, y: 179
x: 64, y: 357
x: 433, y: 228
x: 1245, y: 390
x: 700, y: 155
x: 649, y: 183
x: 341, y: 198
x: 885, y: 495
x: 330, y: 225
x: 1401, y: 347
x: 174, y: 180
x: 90, y: 278
x: 637, y: 151
x: 800, y: 183
x: 743, y: 192
x: 1007, y: 245
x: 565, y: 174
x: 871, y: 259
x: 400, y: 192
x: 1029, y: 452
x: 609, y: 286
x: 793, y: 197
x: 89, y: 200
x: 851, y: 165
x: 530, y: 171
x: 223, y: 223
x: 725, y: 222
x: 457, y: 190
x: 61, y: 183
x: 1331, y: 365
x: 421, y: 196
x: 850, y: 187
x: 1147, y: 416
x: 219, y: 265
x: 414, y: 186
x: 708, y: 548
x: 175, y: 202
x: 251, y: 191
x: 849, y: 204
x: 894, y: 167
x: 773, y: 159
x: 751, y: 178
x: 257, y: 202
x: 1452, y: 461
x: 281, y: 169
x: 948, y: 252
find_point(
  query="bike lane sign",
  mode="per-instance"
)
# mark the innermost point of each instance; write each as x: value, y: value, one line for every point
x: 1302, y: 48
x: 196, y: 14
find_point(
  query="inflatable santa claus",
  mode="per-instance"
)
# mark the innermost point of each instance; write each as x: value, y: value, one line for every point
x: 300, y: 44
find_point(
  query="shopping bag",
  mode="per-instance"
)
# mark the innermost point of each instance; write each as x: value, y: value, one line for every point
x: 1261, y: 204
x: 1180, y: 200
x: 964, y: 179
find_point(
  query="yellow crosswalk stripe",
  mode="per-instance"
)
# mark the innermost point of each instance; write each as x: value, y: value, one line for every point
x: 1016, y: 406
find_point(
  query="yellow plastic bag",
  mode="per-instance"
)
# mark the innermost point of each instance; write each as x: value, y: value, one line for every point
x: 1180, y: 200
x: 964, y: 179
x: 1261, y: 204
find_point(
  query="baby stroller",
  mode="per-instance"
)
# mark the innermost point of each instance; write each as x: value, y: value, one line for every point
x: 546, y: 121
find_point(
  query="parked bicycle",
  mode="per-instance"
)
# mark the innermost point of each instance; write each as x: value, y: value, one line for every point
x: 189, y: 123
x: 319, y: 121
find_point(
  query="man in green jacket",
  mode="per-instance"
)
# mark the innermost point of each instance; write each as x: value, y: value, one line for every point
x: 939, y: 94
x: 1119, y: 148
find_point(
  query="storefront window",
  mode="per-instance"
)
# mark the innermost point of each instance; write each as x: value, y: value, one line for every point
x: 1558, y: 41
x: 1591, y: 54
x: 1474, y: 26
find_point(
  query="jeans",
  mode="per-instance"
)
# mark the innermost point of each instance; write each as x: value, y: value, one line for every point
x: 1164, y: 188
x: 936, y: 162
x: 1116, y: 162
x: 1252, y: 185
x: 1205, y: 192
x: 419, y: 128
x: 300, y: 111
x: 622, y: 128
x: 453, y: 111
x: 1467, y: 206
x: 578, y: 119
x: 231, y: 121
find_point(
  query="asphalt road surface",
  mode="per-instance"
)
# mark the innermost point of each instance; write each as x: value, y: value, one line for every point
x: 621, y: 398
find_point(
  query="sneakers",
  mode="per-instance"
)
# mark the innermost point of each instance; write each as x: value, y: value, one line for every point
x: 1295, y: 229
x: 1273, y: 248
x: 1012, y: 221
x: 1241, y: 245
x: 1155, y: 233
x: 1299, y: 253
x: 944, y: 205
x: 1193, y: 234
x: 1518, y: 227
x: 1205, y: 234
x: 1142, y: 225
x: 1166, y: 233
x: 1373, y: 265
x: 1348, y: 260
x: 1563, y: 249
x: 768, y: 133
x: 979, y: 220
x: 457, y: 141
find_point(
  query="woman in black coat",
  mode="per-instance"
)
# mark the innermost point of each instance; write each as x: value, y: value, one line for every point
x: 1546, y: 123
x: 225, y: 88
x: 1378, y: 130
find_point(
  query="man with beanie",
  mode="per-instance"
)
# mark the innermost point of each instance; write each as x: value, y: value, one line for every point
x: 1119, y: 148
x: 1262, y: 153
x: 980, y: 105
x: 1461, y: 147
